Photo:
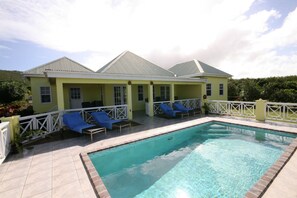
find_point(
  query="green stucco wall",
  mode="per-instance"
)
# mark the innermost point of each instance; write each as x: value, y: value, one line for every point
x: 188, y: 91
x: 39, y: 107
x: 215, y: 81
x: 136, y: 104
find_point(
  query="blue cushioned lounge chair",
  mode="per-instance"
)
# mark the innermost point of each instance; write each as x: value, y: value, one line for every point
x: 104, y: 120
x: 168, y: 110
x: 178, y: 106
x: 75, y: 122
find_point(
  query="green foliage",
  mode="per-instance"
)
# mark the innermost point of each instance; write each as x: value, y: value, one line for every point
x: 233, y: 90
x: 12, y: 91
x: 252, y: 90
x: 274, y: 89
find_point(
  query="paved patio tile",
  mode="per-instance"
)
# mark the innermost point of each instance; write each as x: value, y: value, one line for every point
x: 85, y: 184
x: 65, y: 178
x: 89, y: 194
x: 72, y: 189
x: 15, y: 193
x: 64, y: 168
x: 63, y: 161
x: 12, y: 183
x: 15, y: 173
x: 36, y: 188
x: 37, y: 176
x: 47, y: 194
x: 82, y: 174
x: 43, y: 165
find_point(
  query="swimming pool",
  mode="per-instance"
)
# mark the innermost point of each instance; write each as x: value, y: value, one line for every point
x: 210, y: 160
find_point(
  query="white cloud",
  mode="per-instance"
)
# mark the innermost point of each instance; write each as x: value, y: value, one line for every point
x: 165, y: 32
x: 3, y: 47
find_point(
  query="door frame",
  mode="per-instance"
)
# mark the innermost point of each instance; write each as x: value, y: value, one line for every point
x: 81, y: 96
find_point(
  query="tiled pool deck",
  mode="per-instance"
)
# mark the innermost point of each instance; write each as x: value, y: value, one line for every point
x: 55, y: 169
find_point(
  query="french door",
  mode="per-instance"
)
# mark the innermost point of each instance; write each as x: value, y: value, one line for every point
x: 75, y: 98
x: 119, y: 95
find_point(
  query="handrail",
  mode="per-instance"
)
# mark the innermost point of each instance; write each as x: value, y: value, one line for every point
x: 281, y: 111
x: 234, y: 108
x: 4, y: 139
x: 47, y: 123
x: 193, y: 103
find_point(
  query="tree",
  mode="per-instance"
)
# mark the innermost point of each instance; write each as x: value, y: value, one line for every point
x: 285, y: 95
x: 233, y: 90
x: 252, y: 91
x: 11, y: 91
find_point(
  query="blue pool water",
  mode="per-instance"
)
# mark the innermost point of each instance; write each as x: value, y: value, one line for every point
x: 210, y: 160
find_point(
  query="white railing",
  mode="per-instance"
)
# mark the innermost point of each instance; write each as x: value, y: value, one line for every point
x: 51, y: 122
x: 281, y: 111
x: 4, y: 140
x: 157, y: 109
x: 193, y: 103
x: 233, y: 108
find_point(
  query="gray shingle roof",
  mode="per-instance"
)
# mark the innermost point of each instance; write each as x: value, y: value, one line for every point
x: 197, y: 68
x: 129, y: 63
x: 62, y: 64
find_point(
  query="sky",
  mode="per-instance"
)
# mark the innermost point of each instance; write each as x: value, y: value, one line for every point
x: 245, y: 38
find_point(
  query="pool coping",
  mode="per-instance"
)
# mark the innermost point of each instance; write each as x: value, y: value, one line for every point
x: 257, y: 190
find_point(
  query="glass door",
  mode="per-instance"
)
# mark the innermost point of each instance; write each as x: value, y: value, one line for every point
x: 119, y: 94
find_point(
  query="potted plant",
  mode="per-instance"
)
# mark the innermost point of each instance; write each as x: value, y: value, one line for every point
x: 206, y: 108
x: 16, y: 144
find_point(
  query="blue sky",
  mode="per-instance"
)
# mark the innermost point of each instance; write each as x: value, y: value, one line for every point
x: 246, y: 38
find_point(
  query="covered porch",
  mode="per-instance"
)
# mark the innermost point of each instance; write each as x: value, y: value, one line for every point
x: 134, y: 95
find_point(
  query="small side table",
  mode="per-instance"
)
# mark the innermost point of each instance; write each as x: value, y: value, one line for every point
x: 182, y: 114
x: 93, y: 131
x: 120, y: 125
x: 196, y: 111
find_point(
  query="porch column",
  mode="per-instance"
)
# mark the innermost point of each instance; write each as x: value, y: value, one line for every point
x: 261, y: 110
x: 151, y: 99
x: 129, y: 100
x: 203, y: 92
x: 60, y: 95
x: 172, y: 93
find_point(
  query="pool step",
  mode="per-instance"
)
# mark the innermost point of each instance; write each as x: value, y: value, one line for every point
x: 217, y: 126
x: 217, y: 131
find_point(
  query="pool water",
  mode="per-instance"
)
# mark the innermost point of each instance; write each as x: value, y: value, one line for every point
x: 210, y: 160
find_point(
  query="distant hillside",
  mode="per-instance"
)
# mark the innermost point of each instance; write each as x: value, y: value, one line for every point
x: 12, y: 76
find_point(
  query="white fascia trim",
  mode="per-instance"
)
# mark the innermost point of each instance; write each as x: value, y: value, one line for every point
x: 33, y: 75
x: 119, y: 77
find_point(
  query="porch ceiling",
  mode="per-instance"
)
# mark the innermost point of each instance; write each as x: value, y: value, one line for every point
x: 121, y: 77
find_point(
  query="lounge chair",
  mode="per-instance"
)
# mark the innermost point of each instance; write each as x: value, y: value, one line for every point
x: 168, y: 110
x: 104, y: 120
x: 178, y: 106
x: 75, y: 122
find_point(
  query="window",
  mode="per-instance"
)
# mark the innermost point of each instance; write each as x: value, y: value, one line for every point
x: 75, y: 93
x: 140, y: 93
x: 221, y: 89
x: 165, y: 93
x: 208, y: 89
x: 45, y: 94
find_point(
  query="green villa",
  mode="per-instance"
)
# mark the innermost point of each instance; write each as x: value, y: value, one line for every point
x: 127, y: 80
